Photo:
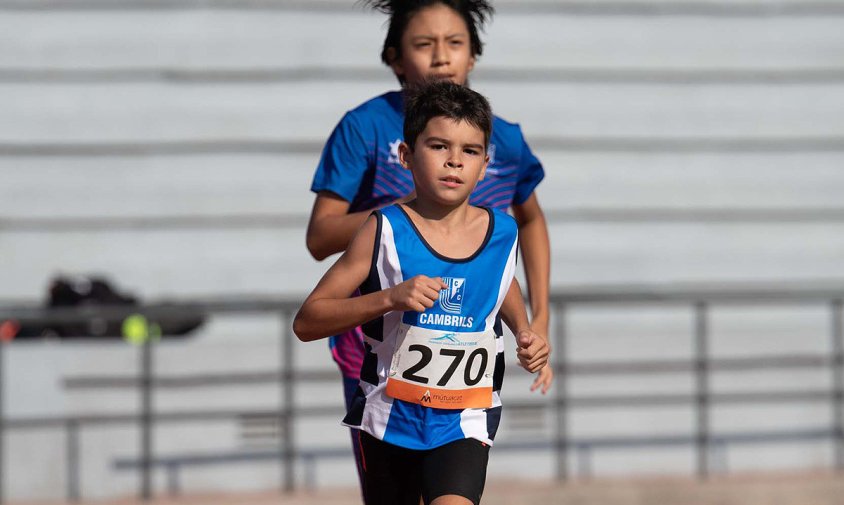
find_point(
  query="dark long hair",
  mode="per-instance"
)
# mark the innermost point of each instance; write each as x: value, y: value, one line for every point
x: 474, y: 12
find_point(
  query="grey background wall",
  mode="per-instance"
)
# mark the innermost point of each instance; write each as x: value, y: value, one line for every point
x: 681, y: 142
x: 171, y: 145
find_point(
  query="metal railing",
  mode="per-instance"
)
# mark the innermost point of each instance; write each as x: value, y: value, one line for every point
x: 700, y: 365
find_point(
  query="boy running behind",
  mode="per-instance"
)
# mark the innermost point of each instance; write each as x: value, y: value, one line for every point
x: 359, y: 170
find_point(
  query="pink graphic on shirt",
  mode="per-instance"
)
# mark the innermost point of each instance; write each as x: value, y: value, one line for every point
x: 347, y: 349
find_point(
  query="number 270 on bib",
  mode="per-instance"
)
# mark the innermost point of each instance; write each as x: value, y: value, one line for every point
x: 447, y: 370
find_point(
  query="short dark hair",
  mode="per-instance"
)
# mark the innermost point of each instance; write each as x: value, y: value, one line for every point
x: 443, y: 98
x: 474, y: 12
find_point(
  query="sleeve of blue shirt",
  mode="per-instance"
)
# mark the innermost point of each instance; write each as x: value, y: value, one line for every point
x: 344, y: 161
x: 531, y: 174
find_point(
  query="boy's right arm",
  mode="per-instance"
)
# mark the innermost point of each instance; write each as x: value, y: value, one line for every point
x: 329, y: 310
x: 331, y: 228
x: 533, y: 350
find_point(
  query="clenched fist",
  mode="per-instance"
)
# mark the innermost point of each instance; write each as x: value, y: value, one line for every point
x: 532, y: 350
x: 416, y: 294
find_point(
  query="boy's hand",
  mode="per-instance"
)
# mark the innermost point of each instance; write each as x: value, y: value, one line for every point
x: 544, y: 379
x: 532, y: 351
x: 416, y: 294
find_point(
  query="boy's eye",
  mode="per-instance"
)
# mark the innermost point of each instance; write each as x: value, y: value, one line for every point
x: 471, y: 151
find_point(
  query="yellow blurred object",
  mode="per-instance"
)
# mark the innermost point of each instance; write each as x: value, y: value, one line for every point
x: 137, y: 330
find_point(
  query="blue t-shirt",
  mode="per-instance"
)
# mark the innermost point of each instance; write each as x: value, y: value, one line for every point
x: 360, y: 160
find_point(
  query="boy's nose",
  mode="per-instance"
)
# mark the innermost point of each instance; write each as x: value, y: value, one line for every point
x: 440, y: 54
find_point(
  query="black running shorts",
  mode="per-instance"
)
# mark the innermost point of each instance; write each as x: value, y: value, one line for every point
x: 394, y: 475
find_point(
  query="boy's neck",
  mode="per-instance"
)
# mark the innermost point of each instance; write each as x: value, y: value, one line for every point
x: 456, y: 233
x: 433, y: 211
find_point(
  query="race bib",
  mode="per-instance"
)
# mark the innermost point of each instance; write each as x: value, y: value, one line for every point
x: 443, y: 369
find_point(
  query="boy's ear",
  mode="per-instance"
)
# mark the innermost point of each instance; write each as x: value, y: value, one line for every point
x: 471, y: 64
x: 404, y: 155
x: 395, y: 61
x: 483, y: 168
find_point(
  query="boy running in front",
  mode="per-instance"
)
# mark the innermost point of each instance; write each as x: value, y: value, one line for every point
x: 436, y: 277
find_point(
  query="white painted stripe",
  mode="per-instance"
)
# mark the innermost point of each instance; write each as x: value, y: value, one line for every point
x: 378, y: 405
x: 473, y: 424
x: 506, y: 279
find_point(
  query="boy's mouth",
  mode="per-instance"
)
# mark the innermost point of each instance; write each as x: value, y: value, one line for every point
x: 451, y: 181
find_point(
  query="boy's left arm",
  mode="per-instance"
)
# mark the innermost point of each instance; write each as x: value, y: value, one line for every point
x: 533, y: 350
x: 536, y: 255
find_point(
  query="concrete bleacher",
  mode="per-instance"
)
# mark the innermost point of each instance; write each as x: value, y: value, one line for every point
x: 171, y: 146
x: 137, y: 112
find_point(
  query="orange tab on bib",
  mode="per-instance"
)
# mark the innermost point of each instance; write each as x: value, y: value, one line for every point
x: 475, y: 398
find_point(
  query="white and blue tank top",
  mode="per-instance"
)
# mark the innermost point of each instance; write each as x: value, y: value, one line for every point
x: 450, y: 355
x: 360, y: 164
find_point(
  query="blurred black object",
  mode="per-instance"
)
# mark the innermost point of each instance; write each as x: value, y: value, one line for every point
x: 73, y: 291
x: 91, y: 292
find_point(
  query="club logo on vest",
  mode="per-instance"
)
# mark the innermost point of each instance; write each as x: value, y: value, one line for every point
x: 426, y: 397
x: 394, y: 152
x: 451, y: 299
x: 490, y: 168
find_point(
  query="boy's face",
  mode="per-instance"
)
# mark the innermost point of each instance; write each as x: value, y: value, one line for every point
x: 435, y: 44
x: 448, y: 160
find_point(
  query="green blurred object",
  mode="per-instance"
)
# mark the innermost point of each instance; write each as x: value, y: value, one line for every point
x: 137, y: 330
